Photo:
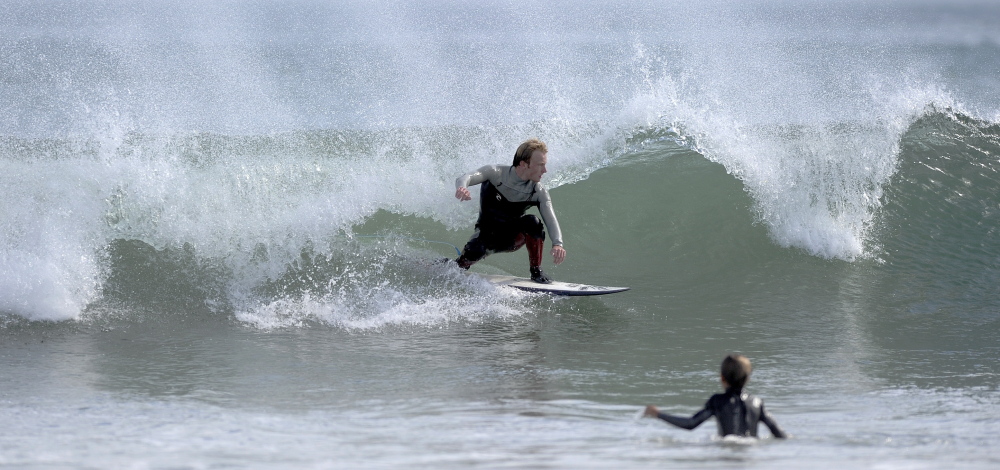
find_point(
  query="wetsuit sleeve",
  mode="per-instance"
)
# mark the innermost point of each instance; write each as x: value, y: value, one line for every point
x: 687, y: 423
x: 549, y: 217
x: 771, y: 424
x: 488, y: 172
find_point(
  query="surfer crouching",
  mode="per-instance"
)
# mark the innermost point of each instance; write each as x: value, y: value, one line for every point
x: 506, y: 193
x: 736, y: 412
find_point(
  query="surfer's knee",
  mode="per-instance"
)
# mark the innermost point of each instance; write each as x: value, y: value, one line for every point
x: 519, y: 241
x: 533, y: 226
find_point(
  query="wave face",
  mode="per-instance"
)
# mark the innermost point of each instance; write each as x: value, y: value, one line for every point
x: 938, y: 229
x: 232, y: 158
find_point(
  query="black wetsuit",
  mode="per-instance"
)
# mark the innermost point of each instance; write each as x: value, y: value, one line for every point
x: 736, y: 413
x: 503, y: 225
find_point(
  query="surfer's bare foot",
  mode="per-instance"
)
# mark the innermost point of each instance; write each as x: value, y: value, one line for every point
x: 538, y: 276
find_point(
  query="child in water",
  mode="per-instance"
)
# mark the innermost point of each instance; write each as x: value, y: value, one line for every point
x: 736, y: 412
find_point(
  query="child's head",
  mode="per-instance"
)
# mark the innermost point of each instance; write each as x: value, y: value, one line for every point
x: 736, y: 371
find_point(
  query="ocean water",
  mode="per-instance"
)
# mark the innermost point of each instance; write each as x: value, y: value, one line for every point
x: 218, y: 223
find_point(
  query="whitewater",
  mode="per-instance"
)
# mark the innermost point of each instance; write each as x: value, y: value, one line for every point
x: 219, y: 223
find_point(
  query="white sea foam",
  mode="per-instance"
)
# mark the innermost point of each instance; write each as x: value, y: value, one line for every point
x: 236, y: 137
x: 814, y: 150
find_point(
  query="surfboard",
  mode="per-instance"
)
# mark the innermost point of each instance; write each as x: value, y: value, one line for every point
x: 556, y: 288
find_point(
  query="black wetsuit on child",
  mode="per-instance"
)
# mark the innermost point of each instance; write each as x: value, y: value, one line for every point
x: 736, y: 413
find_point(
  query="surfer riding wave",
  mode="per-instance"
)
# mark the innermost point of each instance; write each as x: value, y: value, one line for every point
x: 507, y: 192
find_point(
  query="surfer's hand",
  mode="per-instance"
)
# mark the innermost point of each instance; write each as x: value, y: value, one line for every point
x: 463, y: 194
x: 558, y: 254
x: 651, y: 411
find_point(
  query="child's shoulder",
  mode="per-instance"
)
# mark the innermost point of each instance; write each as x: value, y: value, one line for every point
x: 719, y: 399
x: 741, y: 395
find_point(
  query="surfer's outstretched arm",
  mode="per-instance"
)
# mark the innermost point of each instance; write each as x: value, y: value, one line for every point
x: 488, y: 172
x: 680, y: 421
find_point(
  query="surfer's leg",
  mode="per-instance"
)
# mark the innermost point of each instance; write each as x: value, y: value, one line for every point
x: 531, y: 226
x: 471, y: 253
x: 535, y: 248
x: 534, y: 235
x: 519, y: 240
x: 489, y: 240
x: 506, y: 242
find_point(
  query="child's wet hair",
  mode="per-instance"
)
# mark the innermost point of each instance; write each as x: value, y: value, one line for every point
x: 736, y: 370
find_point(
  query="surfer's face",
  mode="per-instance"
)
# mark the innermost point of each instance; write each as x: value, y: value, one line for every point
x: 536, y: 166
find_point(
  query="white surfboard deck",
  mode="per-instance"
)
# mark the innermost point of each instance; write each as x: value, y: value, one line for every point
x: 556, y: 288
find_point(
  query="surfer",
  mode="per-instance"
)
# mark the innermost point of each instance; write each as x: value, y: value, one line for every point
x: 507, y: 192
x: 736, y: 412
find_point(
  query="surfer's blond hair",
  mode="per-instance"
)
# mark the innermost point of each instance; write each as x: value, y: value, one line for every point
x: 527, y: 148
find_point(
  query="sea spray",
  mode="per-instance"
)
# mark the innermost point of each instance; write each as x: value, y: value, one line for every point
x: 215, y: 129
x: 815, y: 171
